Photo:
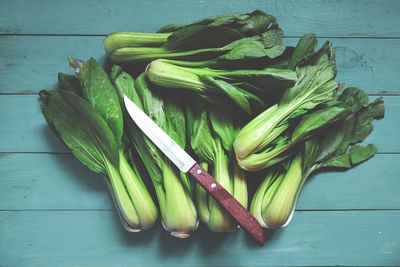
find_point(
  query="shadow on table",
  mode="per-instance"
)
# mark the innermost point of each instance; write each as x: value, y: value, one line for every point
x: 74, y: 168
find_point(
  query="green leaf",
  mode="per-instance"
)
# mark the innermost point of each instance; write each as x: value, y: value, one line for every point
x: 304, y: 48
x: 336, y: 143
x: 329, y: 141
x: 201, y: 36
x: 355, y: 98
x: 315, y: 82
x: 248, y: 48
x: 69, y: 83
x: 247, y: 101
x: 359, y: 153
x: 271, y: 37
x: 150, y: 154
x: 125, y: 85
x: 340, y: 161
x: 268, y: 78
x: 376, y: 109
x: 257, y: 22
x: 317, y: 120
x: 354, y: 156
x: 81, y: 128
x: 175, y: 115
x: 225, y: 124
x: 202, y: 140
x: 248, y: 24
x: 220, y: 20
x: 98, y: 90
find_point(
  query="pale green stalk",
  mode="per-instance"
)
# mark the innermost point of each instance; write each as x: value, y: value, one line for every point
x: 179, y: 213
x: 219, y: 220
x: 122, y: 198
x: 202, y: 199
x: 264, y: 195
x: 141, y: 199
x: 143, y: 54
x: 280, y: 208
x: 118, y: 40
x: 240, y: 185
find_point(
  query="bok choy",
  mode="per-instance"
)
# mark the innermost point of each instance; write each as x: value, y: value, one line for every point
x: 242, y: 87
x: 85, y: 114
x: 172, y: 187
x: 202, y: 40
x: 335, y: 147
x: 302, y: 111
x: 211, y: 137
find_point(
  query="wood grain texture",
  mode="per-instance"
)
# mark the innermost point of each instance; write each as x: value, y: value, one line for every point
x: 22, y: 112
x: 40, y: 181
x: 95, y: 238
x: 326, y: 18
x: 370, y: 64
x: 53, y: 181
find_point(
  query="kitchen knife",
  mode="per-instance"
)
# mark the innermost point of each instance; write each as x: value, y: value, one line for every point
x: 188, y: 165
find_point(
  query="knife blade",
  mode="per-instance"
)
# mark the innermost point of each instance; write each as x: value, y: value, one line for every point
x: 187, y: 164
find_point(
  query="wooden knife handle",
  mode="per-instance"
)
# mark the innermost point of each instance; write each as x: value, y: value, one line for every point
x: 228, y: 202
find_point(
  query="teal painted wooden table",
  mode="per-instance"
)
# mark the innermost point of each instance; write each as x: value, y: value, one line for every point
x: 54, y: 212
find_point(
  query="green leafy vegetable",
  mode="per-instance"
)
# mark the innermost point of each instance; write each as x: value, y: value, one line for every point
x: 214, y: 39
x: 91, y: 140
x: 173, y: 188
x: 335, y: 147
x: 216, y: 85
x: 212, y: 134
x: 303, y: 109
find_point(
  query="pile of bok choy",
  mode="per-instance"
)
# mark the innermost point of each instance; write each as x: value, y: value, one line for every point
x: 227, y: 90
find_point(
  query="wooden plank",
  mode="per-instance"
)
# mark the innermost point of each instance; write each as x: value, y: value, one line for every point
x: 95, y: 238
x: 31, y: 63
x: 333, y: 18
x: 25, y: 129
x: 46, y: 181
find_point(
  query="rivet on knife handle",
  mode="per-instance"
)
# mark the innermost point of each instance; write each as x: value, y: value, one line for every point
x: 229, y: 203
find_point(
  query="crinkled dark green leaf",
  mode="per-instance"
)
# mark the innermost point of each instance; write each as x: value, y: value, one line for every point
x: 355, y: 98
x: 271, y: 37
x: 69, y: 83
x: 360, y: 153
x: 318, y: 120
x: 338, y: 144
x: 325, y: 54
x: 354, y: 156
x: 241, y: 97
x: 306, y: 45
x: 201, y: 36
x: 248, y: 48
x: 248, y: 24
